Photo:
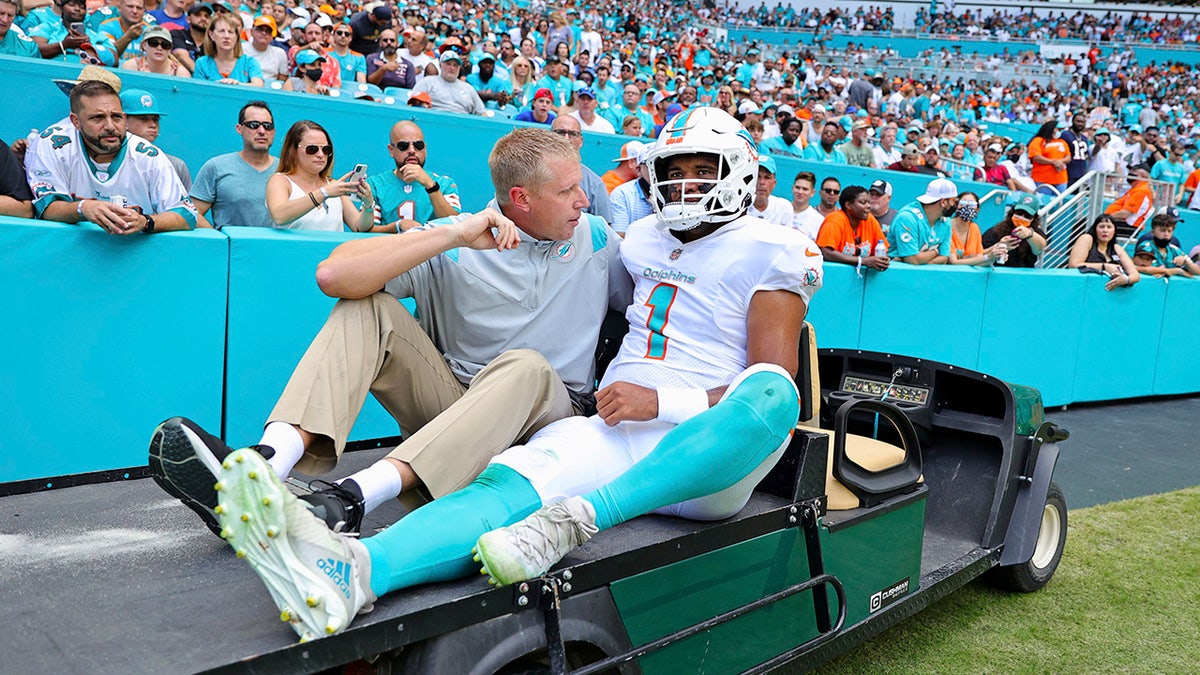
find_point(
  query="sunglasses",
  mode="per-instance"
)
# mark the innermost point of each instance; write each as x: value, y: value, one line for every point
x: 161, y: 44
x: 832, y: 191
x: 403, y: 145
x: 314, y: 149
x: 88, y: 60
x: 342, y: 32
x: 568, y: 132
x: 387, y: 41
x: 255, y: 125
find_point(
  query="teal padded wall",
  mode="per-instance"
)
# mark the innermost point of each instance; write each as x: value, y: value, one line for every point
x: 1127, y: 352
x: 275, y: 310
x: 1175, y: 370
x: 836, y: 310
x: 103, y: 338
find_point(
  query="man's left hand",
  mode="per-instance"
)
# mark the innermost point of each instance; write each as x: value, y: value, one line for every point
x: 626, y: 402
x: 415, y: 173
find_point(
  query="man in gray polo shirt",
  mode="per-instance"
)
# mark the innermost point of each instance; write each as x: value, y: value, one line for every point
x: 510, y: 299
x: 447, y: 91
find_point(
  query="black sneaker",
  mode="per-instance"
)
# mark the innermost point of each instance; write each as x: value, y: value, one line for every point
x: 339, y: 505
x: 185, y: 460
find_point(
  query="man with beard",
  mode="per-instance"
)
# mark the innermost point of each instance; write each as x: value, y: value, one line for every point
x: 1077, y: 164
x: 920, y: 232
x: 824, y: 150
x: 59, y: 41
x: 232, y: 186
x: 92, y: 171
x: 187, y: 44
x: 447, y: 91
x: 409, y: 195
x: 857, y: 152
x: 353, y: 64
x: 386, y: 68
x: 788, y: 141
x: 493, y: 89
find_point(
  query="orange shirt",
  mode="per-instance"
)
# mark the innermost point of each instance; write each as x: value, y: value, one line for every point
x: 972, y: 246
x: 1052, y: 149
x: 611, y: 180
x: 1139, y: 201
x: 866, y: 240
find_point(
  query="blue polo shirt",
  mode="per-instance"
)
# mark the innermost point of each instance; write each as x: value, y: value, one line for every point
x: 912, y: 233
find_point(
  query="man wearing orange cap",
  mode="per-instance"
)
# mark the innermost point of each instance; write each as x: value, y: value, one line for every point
x: 353, y: 64
x: 274, y: 60
x: 627, y: 165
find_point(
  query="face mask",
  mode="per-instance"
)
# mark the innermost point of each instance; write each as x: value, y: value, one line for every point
x: 1162, y: 243
x: 313, y: 73
x: 1021, y: 221
x: 967, y: 211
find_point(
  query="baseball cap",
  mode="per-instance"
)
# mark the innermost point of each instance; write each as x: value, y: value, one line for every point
x: 862, y: 124
x: 544, y: 92
x: 382, y: 12
x: 752, y: 52
x: 818, y: 108
x: 748, y: 107
x: 673, y: 110
x: 420, y: 96
x: 297, y: 11
x: 910, y: 150
x: 486, y: 57
x: 635, y: 150
x: 881, y: 186
x: 324, y: 21
x: 267, y: 21
x: 307, y: 56
x: 586, y: 91
x: 1026, y: 204
x: 201, y: 7
x: 1168, y: 211
x: 766, y: 161
x: 450, y: 55
x: 1103, y: 130
x: 1145, y: 246
x: 328, y: 9
x: 159, y: 32
x: 785, y: 108
x: 139, y: 102
x: 660, y: 96
x: 937, y: 190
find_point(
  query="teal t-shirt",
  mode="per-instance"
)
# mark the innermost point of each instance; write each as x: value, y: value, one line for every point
x: 352, y: 64
x: 911, y: 233
x: 236, y: 191
x: 776, y: 145
x: 395, y: 200
x: 815, y: 153
x: 16, y: 43
x: 244, y: 69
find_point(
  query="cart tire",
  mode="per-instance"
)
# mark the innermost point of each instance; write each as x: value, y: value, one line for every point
x: 1047, y: 553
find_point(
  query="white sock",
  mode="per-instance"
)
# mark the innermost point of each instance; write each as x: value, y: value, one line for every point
x: 378, y: 483
x: 288, y: 446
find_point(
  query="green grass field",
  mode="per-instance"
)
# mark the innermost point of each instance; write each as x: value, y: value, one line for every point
x: 1125, y: 599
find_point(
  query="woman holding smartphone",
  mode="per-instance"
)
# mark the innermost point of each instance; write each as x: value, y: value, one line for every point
x: 1098, y: 249
x: 302, y: 194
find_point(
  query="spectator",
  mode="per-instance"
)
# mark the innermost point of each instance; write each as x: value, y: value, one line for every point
x: 14, y: 42
x: 856, y: 151
x: 554, y: 77
x: 767, y: 206
x: 233, y: 186
x: 631, y: 200
x: 598, y: 201
x: 1077, y: 142
x: 804, y: 217
x: 57, y: 40
x: 523, y: 82
x: 960, y: 168
x: 995, y: 173
x: 909, y: 160
x: 123, y: 31
x: 141, y: 193
x: 1098, y: 249
x: 827, y: 202
x: 1018, y: 167
x: 223, y: 60
x: 966, y: 241
x: 627, y: 165
x: 272, y: 59
x: 630, y: 96
x: 142, y: 118
x: 156, y: 55
x: 416, y: 44
x: 1048, y: 154
x: 886, y: 152
x: 311, y: 67
x: 632, y: 126
x: 447, y: 91
x: 187, y: 44
x: 313, y: 38
x: 368, y: 26
x: 825, y: 150
x: 494, y: 90
x: 1131, y: 210
x: 172, y: 15
x: 933, y: 163
x: 1172, y: 170
x: 851, y: 235
x: 1106, y: 158
x: 1021, y: 232
x: 465, y: 400
x: 302, y: 194
x: 920, y: 232
x: 881, y: 203
x: 1191, y: 196
x: 585, y: 114
x: 410, y: 195
x: 420, y: 100
x: 543, y: 101
x: 15, y: 197
x: 386, y: 67
x: 1159, y: 257
x: 789, y: 142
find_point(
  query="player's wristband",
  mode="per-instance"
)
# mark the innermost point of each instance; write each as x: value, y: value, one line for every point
x: 677, y: 404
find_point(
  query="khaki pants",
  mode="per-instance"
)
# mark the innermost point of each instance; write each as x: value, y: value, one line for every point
x: 375, y: 345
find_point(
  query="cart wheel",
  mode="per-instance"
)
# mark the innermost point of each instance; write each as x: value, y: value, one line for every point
x: 1047, y: 552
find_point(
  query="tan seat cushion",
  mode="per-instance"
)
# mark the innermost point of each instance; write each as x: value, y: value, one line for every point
x: 867, y: 452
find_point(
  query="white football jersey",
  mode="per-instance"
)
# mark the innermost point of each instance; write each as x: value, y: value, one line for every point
x: 59, y: 168
x: 687, y: 322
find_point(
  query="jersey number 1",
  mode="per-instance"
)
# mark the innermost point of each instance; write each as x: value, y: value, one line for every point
x: 659, y: 303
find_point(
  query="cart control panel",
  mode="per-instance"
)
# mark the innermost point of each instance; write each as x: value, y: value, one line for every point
x: 898, y: 392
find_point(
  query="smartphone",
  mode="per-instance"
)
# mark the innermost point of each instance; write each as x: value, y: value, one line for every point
x: 360, y: 173
x: 77, y: 27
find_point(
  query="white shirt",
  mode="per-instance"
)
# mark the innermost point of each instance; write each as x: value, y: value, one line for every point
x: 808, y: 222
x: 778, y: 211
x: 273, y: 60
x: 599, y: 124
x: 883, y: 158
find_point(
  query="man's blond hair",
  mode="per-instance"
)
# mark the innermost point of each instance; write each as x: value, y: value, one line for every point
x: 521, y: 159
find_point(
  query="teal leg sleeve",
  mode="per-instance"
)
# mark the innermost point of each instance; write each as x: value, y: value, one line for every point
x: 707, y: 453
x: 434, y: 542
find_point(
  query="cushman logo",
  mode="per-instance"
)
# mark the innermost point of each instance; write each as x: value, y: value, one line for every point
x: 889, y: 595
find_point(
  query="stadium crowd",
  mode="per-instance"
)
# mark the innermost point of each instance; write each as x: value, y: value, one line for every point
x: 626, y: 68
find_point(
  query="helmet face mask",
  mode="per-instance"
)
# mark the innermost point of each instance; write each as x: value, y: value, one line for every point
x: 711, y: 132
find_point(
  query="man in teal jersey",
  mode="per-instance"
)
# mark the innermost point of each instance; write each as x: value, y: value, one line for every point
x: 410, y: 196
x: 124, y: 30
x: 920, y: 232
x: 555, y: 79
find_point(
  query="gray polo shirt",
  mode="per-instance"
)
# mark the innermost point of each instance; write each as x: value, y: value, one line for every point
x: 456, y: 96
x: 550, y: 296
